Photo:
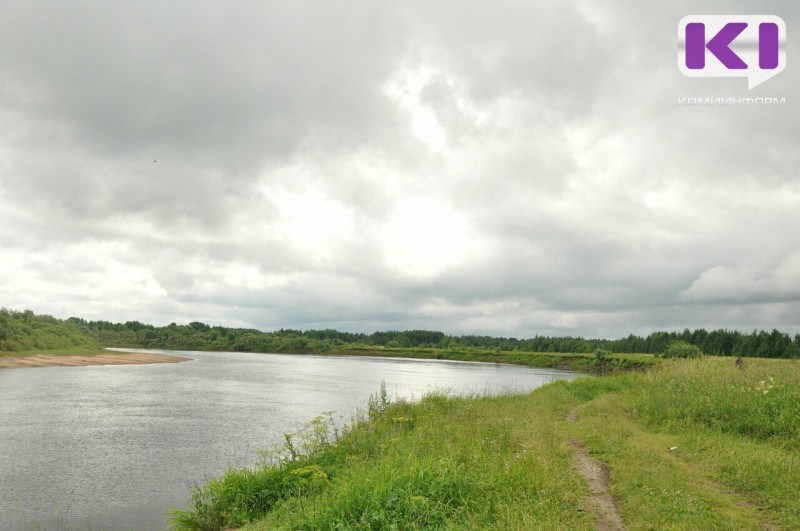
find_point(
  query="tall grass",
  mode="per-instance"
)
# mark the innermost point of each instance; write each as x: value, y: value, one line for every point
x: 701, y: 443
x: 444, y: 462
x: 297, y: 467
x: 761, y: 400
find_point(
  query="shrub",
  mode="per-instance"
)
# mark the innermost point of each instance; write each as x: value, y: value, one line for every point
x: 682, y: 349
x: 600, y: 354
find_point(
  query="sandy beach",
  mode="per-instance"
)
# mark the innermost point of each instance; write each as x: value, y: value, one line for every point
x: 122, y: 358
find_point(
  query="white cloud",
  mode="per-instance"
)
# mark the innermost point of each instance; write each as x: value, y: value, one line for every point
x: 425, y: 237
x: 748, y: 284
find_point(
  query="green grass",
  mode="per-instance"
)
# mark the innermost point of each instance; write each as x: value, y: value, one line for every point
x: 402, y: 467
x: 762, y: 401
x: 692, y: 444
x: 688, y: 451
x: 571, y: 361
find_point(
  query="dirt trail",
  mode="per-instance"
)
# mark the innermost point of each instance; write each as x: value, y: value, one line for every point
x: 41, y: 360
x: 600, y: 501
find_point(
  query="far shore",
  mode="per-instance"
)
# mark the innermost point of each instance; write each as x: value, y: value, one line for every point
x: 108, y: 358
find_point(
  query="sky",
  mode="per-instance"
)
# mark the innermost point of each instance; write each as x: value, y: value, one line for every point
x: 510, y: 168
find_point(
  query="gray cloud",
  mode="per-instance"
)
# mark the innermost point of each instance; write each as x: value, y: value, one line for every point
x: 513, y: 168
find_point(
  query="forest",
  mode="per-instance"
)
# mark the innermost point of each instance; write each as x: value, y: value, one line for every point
x: 24, y: 330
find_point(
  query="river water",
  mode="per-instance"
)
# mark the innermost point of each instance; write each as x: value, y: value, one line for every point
x: 115, y: 447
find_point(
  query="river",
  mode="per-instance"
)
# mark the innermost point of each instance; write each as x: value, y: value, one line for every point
x: 115, y: 447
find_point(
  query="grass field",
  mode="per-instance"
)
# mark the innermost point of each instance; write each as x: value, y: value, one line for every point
x: 697, y: 444
x: 573, y: 361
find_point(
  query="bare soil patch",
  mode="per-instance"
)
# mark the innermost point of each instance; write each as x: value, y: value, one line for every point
x: 600, y: 501
x: 123, y: 358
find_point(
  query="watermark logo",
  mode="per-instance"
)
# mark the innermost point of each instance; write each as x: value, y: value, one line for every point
x: 751, y: 46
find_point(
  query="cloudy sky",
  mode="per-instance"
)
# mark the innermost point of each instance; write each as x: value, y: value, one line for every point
x: 506, y: 167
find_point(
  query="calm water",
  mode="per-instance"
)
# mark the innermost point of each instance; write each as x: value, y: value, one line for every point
x: 115, y: 447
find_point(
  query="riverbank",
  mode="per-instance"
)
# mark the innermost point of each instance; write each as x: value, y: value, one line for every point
x: 579, y: 362
x: 72, y: 358
x: 690, y: 444
x: 603, y: 363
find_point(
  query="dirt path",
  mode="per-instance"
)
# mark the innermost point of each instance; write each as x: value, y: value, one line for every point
x: 76, y: 361
x: 600, y: 501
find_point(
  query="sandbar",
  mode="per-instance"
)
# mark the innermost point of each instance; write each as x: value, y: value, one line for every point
x: 122, y: 358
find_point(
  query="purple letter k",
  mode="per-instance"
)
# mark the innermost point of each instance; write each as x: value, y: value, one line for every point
x: 718, y: 45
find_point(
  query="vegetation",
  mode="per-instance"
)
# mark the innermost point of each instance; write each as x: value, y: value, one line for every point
x: 24, y: 331
x: 27, y: 332
x: 199, y: 336
x: 692, y: 444
x: 699, y: 444
x: 445, y: 462
x: 682, y: 349
x: 604, y: 363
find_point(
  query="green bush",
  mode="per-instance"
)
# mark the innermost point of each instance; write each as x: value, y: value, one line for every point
x: 601, y: 354
x: 682, y: 349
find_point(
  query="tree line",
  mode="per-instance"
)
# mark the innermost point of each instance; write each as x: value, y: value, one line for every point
x: 25, y: 330
x: 196, y: 335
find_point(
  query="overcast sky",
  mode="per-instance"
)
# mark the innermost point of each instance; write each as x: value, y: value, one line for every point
x: 508, y: 167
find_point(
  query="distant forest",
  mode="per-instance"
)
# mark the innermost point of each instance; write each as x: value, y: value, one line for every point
x: 201, y: 336
x: 20, y: 331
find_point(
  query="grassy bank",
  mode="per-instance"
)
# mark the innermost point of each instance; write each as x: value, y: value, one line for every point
x: 696, y: 444
x: 555, y: 360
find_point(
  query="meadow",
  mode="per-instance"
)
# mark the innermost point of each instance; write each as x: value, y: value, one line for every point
x: 689, y: 444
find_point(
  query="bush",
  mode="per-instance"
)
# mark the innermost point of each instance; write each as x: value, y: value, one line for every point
x: 601, y: 354
x: 682, y: 349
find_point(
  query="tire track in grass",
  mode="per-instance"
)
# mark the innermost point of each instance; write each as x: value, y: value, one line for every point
x: 603, y: 505
x: 600, y: 501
